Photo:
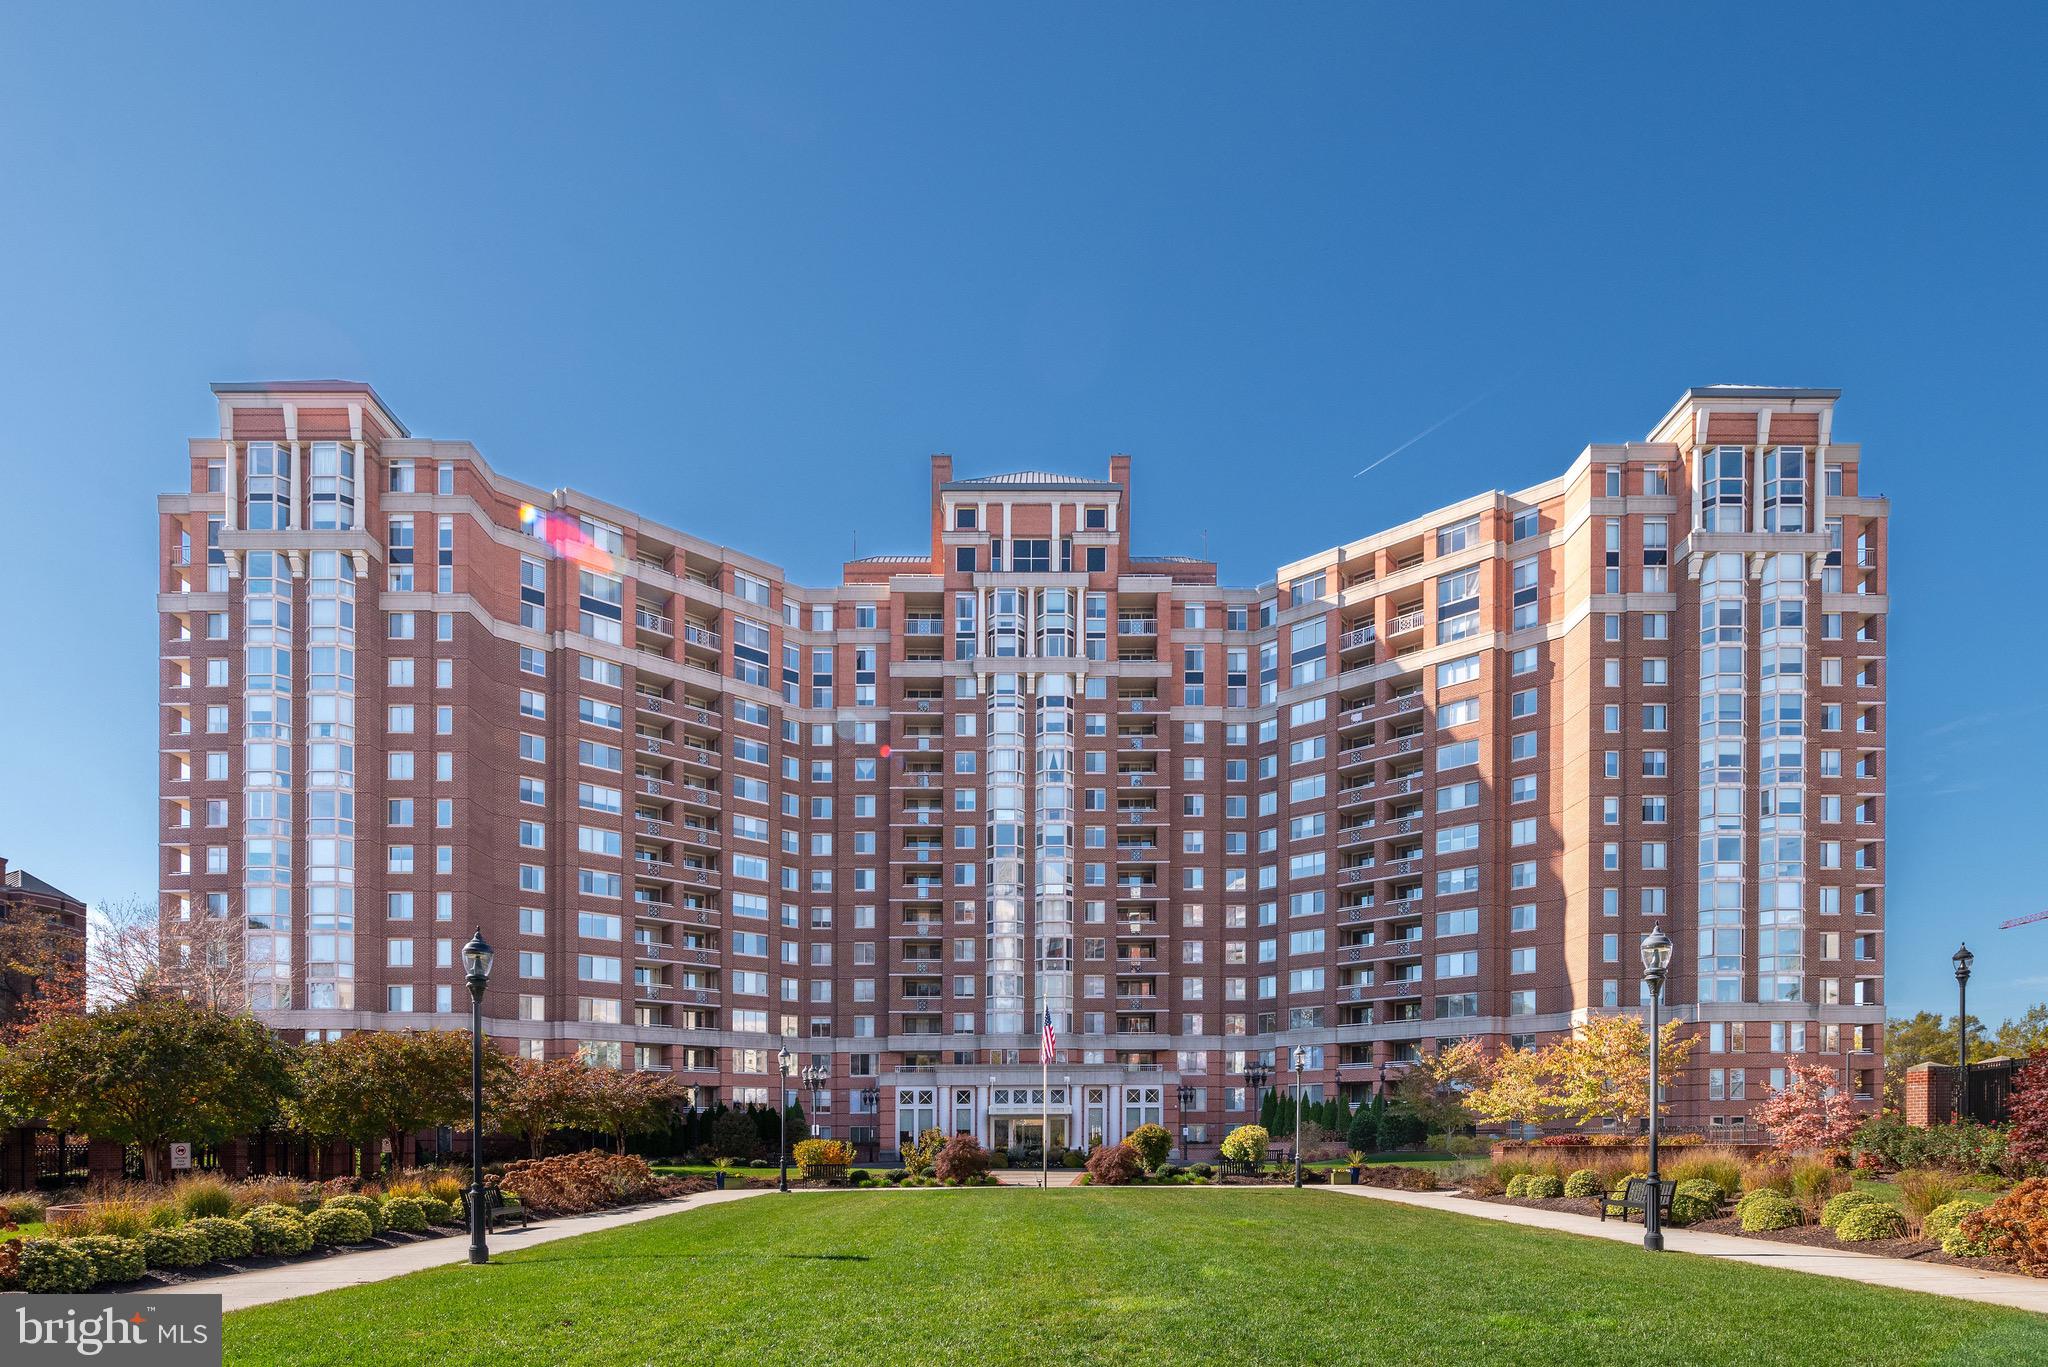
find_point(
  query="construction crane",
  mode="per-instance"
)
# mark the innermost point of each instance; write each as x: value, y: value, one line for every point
x: 2024, y: 920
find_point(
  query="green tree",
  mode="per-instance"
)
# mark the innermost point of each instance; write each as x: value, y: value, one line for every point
x: 796, y: 1126
x: 733, y: 1136
x: 147, y: 1073
x: 378, y: 1084
x: 2026, y: 1037
x: 1923, y: 1037
x: 1364, y: 1131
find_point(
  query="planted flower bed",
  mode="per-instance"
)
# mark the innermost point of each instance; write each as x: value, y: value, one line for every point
x: 204, y: 1226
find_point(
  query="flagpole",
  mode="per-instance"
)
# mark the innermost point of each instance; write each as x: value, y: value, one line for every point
x: 1044, y: 1115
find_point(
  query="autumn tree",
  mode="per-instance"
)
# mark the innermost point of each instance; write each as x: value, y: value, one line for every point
x: 1813, y: 1110
x: 2026, y: 1144
x: 1435, y: 1090
x: 538, y: 1097
x: 619, y: 1103
x: 148, y: 1072
x: 42, y: 969
x: 137, y: 951
x: 376, y: 1084
x: 1516, y: 1090
x: 1602, y: 1072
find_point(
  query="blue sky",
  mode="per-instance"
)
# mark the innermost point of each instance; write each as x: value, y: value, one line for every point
x: 680, y: 257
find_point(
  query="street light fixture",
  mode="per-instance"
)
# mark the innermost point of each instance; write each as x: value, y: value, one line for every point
x: 1186, y: 1095
x: 1300, y: 1062
x: 1256, y: 1075
x: 1962, y: 959
x: 1656, y: 963
x: 782, y: 1115
x: 476, y: 965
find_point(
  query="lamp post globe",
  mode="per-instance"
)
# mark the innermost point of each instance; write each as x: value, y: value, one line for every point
x: 1656, y: 951
x: 1962, y: 959
x: 477, y: 957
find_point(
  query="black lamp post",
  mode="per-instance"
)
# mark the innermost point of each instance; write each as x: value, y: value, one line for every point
x: 871, y: 1102
x: 1256, y: 1075
x: 1186, y: 1096
x: 476, y: 964
x: 782, y: 1114
x: 1656, y: 962
x: 1300, y: 1062
x: 1962, y: 959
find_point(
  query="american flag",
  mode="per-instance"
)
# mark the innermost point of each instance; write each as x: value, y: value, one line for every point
x: 1050, y: 1042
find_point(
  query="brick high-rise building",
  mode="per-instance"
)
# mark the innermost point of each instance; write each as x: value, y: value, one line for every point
x: 1433, y: 783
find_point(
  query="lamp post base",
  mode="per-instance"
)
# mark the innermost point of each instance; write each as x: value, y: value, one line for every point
x: 1653, y: 1242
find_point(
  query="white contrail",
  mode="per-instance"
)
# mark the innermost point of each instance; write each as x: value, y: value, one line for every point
x: 1426, y: 431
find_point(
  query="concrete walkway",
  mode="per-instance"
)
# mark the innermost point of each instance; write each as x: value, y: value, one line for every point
x: 1900, y: 1274
x: 240, y: 1290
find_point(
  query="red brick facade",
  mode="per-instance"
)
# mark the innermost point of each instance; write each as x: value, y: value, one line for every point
x: 1433, y: 783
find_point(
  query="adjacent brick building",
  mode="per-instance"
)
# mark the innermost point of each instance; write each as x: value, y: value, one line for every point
x: 1432, y: 783
x: 39, y: 925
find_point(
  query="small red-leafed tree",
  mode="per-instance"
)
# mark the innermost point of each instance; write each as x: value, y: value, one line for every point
x: 2026, y: 1142
x: 1811, y: 1111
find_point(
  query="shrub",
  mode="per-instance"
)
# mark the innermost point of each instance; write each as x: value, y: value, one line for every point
x: 573, y: 1183
x: 224, y: 1238
x: 368, y: 1206
x: 178, y: 1246
x: 1724, y: 1173
x: 1694, y: 1200
x: 1766, y: 1212
x: 1947, y: 1219
x: 1543, y: 1186
x: 281, y: 1191
x: 54, y: 1266
x: 961, y: 1160
x: 823, y: 1160
x: 332, y: 1224
x: 23, y: 1208
x: 405, y: 1215
x: 1169, y: 1171
x: 279, y: 1231
x: 1113, y: 1165
x: 1922, y: 1189
x: 1203, y: 1170
x: 1072, y: 1158
x: 113, y: 1258
x: 1584, y: 1182
x: 921, y: 1153
x: 1517, y: 1186
x: 1961, y: 1146
x: 439, y: 1212
x: 1246, y: 1144
x: 201, y: 1198
x: 1749, y: 1198
x: 1152, y: 1143
x: 1863, y: 1223
x: 2015, y: 1226
x: 447, y: 1189
x: 1838, y: 1207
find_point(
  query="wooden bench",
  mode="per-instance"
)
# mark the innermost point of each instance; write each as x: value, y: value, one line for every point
x: 501, y: 1209
x: 1635, y: 1197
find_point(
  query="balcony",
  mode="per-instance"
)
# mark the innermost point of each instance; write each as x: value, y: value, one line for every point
x: 1137, y: 626
x: 1358, y: 637
x: 648, y: 620
x: 694, y: 635
x: 1407, y: 622
x: 1353, y: 875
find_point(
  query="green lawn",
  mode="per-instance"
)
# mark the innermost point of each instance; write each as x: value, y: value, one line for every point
x: 28, y: 1231
x: 1094, y: 1276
